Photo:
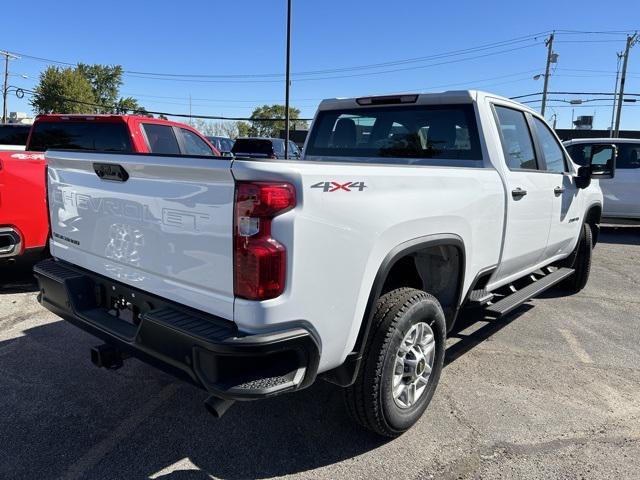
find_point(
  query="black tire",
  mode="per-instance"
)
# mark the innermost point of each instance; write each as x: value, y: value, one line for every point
x: 581, y: 261
x: 370, y: 399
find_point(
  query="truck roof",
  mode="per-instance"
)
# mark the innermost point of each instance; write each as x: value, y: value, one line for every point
x: 416, y: 98
x: 105, y: 117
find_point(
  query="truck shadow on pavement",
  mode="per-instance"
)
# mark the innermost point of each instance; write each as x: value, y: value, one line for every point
x: 17, y: 278
x: 64, y: 418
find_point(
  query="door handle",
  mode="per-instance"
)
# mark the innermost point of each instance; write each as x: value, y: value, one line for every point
x: 518, y: 193
x: 558, y: 191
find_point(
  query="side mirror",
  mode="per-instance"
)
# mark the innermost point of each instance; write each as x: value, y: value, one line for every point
x: 603, y: 161
x: 583, y: 179
x: 602, y: 165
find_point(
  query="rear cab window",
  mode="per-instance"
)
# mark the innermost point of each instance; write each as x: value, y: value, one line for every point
x: 161, y: 139
x: 397, y: 134
x: 80, y: 135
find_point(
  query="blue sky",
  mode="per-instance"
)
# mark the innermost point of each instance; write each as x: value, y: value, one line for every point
x: 247, y: 37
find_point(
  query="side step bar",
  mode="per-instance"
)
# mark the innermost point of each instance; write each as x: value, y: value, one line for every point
x: 513, y: 301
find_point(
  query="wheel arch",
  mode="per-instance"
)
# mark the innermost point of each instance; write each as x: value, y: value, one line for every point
x: 345, y: 374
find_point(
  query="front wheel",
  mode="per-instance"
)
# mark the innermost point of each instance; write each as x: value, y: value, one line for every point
x: 581, y: 261
x: 402, y: 363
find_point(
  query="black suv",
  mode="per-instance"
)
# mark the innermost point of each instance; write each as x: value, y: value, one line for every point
x: 263, y: 148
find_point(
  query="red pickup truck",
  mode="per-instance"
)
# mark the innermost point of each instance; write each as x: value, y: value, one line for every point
x: 24, y: 226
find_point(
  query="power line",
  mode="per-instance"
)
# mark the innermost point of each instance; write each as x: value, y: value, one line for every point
x: 438, y: 56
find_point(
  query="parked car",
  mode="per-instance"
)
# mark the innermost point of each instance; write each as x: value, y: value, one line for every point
x: 621, y: 194
x: 223, y: 144
x: 24, y: 227
x: 253, y: 147
x: 13, y: 136
x: 253, y: 279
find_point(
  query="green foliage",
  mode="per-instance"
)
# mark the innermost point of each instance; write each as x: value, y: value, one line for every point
x: 105, y: 81
x: 244, y: 129
x: 259, y: 128
x: 56, y: 89
x: 83, y: 89
x: 130, y: 105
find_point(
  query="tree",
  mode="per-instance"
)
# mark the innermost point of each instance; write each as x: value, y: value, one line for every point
x: 244, y: 129
x: 265, y: 128
x: 215, y: 129
x: 105, y: 81
x: 83, y: 89
x: 63, y: 90
x: 130, y: 105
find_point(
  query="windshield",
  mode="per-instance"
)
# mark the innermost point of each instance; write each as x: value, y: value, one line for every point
x: 77, y: 135
x: 415, y: 132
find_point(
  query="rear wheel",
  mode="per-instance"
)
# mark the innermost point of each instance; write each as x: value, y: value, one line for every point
x: 402, y: 363
x: 581, y: 262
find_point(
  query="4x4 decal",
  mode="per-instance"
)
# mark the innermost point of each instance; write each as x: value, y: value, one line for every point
x: 336, y: 186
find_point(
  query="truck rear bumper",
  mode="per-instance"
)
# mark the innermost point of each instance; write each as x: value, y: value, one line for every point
x: 204, y: 349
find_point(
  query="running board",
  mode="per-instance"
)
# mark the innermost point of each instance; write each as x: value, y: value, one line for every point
x: 517, y: 298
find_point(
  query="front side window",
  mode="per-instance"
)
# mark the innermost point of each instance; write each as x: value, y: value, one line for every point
x: 553, y: 155
x: 161, y: 139
x: 193, y: 144
x: 516, y: 139
x: 407, y: 132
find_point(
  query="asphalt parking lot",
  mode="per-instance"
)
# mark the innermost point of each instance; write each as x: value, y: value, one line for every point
x: 552, y: 391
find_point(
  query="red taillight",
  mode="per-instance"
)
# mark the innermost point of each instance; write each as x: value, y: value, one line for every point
x: 260, y: 261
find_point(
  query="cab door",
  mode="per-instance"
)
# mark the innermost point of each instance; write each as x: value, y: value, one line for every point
x: 622, y: 193
x: 529, y: 200
x: 567, y: 204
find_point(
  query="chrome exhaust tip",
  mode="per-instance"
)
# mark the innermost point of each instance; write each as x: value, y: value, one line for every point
x: 10, y: 242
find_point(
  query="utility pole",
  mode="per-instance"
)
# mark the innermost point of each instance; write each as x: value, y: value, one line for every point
x: 615, y: 93
x: 549, y: 43
x: 287, y: 81
x: 631, y: 40
x: 7, y: 56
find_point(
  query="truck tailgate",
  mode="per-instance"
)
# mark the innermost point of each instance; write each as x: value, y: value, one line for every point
x: 159, y: 223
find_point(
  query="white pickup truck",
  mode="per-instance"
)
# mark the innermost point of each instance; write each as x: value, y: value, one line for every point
x: 622, y: 194
x: 252, y: 278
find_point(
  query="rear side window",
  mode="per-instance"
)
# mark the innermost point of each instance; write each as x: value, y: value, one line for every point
x: 516, y: 139
x: 80, y: 135
x: 161, y: 139
x: 14, y: 135
x: 553, y: 154
x: 416, y: 132
x: 253, y: 146
x: 278, y: 147
x: 193, y: 144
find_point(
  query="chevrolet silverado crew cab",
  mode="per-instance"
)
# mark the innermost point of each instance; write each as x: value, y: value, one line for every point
x: 622, y: 194
x: 253, y: 278
x: 24, y: 227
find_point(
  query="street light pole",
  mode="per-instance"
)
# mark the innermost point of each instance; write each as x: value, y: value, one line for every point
x: 615, y: 94
x: 286, y: 95
x: 549, y: 44
x: 631, y: 40
x: 7, y: 56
